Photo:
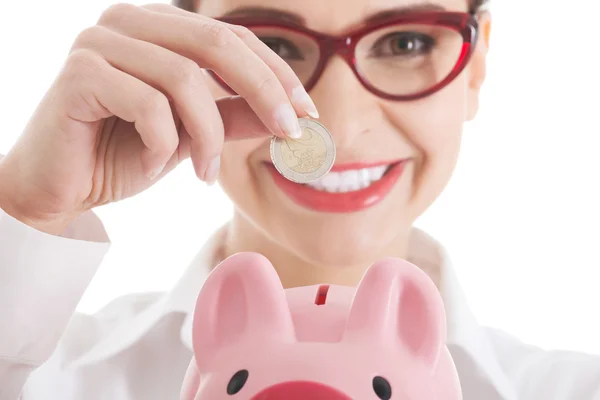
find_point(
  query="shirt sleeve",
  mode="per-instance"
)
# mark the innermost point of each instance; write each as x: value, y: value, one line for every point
x: 549, y: 375
x: 42, y: 279
x: 561, y: 375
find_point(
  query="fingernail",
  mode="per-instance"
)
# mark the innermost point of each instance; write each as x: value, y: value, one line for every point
x: 304, y: 101
x: 288, y: 121
x: 212, y: 171
x: 156, y: 172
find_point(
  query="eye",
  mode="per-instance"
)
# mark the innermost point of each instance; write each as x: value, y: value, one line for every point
x: 403, y: 44
x: 283, y: 48
x: 382, y: 388
x: 237, y: 382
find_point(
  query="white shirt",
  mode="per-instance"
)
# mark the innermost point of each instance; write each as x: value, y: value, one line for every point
x: 139, y: 346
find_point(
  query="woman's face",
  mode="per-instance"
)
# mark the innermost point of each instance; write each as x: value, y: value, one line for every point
x: 343, y: 222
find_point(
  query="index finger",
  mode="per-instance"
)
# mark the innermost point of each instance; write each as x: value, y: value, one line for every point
x: 212, y: 45
x: 294, y: 88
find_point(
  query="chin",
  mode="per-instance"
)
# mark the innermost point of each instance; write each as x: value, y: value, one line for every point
x: 342, y: 240
x: 348, y: 226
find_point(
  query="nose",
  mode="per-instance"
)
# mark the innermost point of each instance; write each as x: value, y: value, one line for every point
x: 347, y: 109
x: 300, y: 390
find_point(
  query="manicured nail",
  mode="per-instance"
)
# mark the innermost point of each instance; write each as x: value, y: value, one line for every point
x: 156, y: 172
x: 212, y: 171
x: 303, y: 100
x: 288, y: 121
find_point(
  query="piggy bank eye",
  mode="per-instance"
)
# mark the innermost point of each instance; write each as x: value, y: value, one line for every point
x: 237, y: 381
x: 382, y: 388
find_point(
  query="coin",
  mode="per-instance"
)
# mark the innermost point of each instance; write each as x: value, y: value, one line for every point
x: 305, y: 159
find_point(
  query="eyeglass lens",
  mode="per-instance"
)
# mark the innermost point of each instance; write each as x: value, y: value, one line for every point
x: 399, y: 60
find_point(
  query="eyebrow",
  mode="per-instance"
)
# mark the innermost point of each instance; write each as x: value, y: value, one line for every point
x: 266, y: 12
x: 274, y: 13
x: 403, y: 10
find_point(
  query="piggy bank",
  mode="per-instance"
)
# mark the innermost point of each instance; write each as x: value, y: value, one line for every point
x: 255, y: 340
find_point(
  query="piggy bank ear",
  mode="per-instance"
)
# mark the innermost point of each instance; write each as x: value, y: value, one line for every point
x: 396, y: 302
x: 191, y: 382
x: 241, y: 298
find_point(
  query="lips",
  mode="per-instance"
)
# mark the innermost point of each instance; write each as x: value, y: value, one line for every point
x: 347, y: 188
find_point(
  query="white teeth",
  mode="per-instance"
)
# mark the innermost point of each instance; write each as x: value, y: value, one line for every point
x: 349, y: 181
x: 376, y: 173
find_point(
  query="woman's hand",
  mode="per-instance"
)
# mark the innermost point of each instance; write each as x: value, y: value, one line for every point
x: 132, y: 102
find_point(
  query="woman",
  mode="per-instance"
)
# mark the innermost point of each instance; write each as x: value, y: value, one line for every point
x: 134, y: 100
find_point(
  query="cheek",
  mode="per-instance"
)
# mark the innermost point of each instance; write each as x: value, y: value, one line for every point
x: 237, y: 158
x: 433, y: 128
x: 442, y: 129
x: 433, y: 125
x: 238, y: 169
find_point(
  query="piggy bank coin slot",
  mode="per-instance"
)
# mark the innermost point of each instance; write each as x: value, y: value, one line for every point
x: 322, y: 295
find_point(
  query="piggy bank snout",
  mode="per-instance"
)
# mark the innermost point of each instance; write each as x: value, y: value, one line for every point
x: 300, y: 390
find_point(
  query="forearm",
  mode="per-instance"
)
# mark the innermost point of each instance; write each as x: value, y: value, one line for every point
x: 42, y: 279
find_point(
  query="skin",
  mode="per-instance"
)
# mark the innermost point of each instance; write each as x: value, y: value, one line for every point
x: 308, y: 247
x: 132, y: 102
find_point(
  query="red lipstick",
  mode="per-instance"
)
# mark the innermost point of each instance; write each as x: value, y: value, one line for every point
x: 344, y: 202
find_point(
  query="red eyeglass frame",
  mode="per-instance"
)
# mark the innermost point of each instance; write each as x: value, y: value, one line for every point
x: 345, y: 45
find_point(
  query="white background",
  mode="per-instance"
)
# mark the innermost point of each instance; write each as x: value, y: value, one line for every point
x: 520, y: 218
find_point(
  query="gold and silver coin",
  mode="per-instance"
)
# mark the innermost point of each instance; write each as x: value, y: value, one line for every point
x: 305, y: 159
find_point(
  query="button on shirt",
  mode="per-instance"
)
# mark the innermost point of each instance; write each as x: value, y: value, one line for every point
x: 139, y: 346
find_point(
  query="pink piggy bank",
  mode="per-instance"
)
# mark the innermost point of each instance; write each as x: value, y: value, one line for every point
x: 384, y: 340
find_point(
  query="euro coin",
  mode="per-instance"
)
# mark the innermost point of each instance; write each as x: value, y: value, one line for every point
x: 305, y: 159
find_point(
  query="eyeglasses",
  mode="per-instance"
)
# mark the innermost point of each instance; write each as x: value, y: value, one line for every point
x: 404, y: 58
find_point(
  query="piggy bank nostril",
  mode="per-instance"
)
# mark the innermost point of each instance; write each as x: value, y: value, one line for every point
x: 237, y: 382
x: 382, y: 388
x: 300, y: 390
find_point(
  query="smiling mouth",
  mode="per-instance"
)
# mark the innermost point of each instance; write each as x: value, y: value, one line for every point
x: 346, y: 188
x: 350, y: 180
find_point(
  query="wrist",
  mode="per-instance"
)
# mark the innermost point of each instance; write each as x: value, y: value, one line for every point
x: 51, y: 225
x: 9, y: 202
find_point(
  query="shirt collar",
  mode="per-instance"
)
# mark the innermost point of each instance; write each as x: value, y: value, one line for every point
x: 463, y: 331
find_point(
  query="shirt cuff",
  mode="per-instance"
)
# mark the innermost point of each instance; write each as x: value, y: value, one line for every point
x: 42, y: 279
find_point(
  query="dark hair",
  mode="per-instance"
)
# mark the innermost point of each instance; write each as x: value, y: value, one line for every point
x: 189, y: 4
x: 476, y: 5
